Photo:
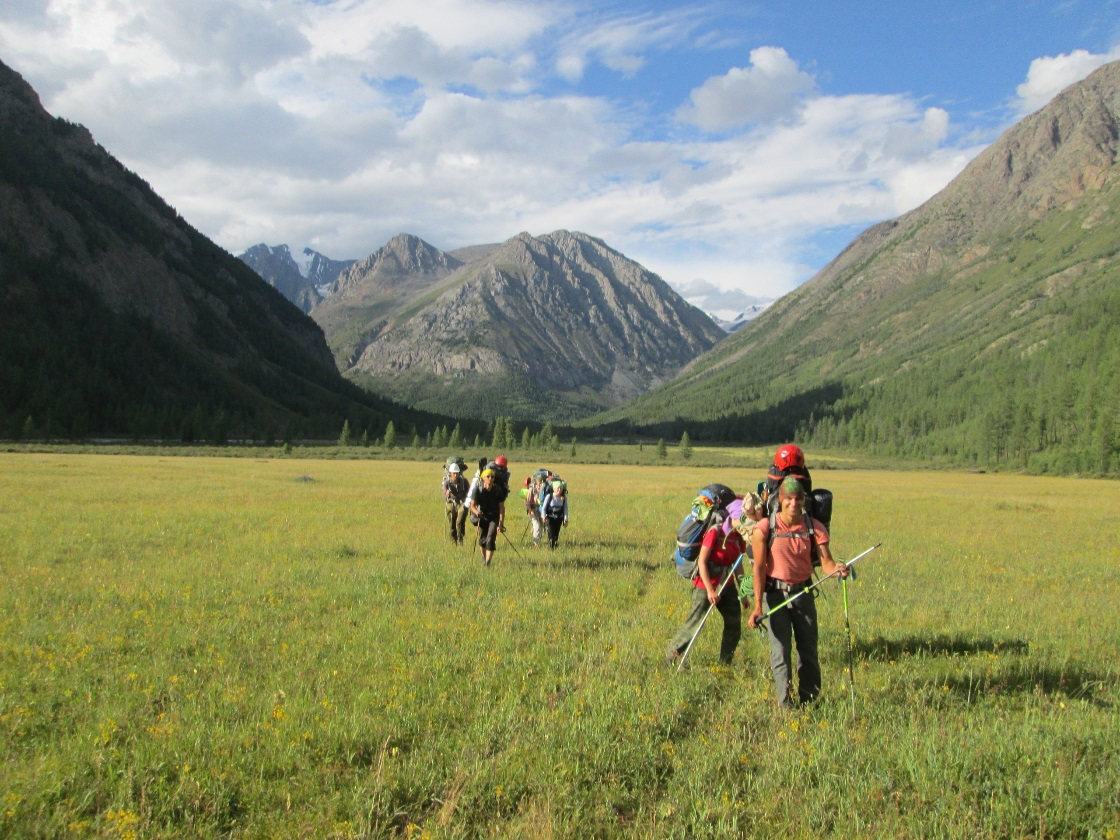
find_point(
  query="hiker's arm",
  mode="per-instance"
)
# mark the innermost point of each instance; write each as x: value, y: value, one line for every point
x: 705, y: 573
x: 501, y: 516
x: 828, y: 565
x: 758, y: 573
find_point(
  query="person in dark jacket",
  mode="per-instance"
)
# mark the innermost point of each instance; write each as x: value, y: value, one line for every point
x: 489, y: 507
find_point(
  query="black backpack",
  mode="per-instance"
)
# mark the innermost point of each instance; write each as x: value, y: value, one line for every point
x: 501, y: 480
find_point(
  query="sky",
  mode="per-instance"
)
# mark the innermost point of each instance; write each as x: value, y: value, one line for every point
x: 734, y: 148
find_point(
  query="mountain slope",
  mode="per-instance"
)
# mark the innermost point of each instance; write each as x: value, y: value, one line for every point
x: 119, y: 318
x: 301, y: 284
x: 547, y: 327
x: 982, y: 326
x: 364, y: 298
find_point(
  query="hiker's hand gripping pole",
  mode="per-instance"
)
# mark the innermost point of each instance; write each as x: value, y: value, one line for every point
x: 727, y: 580
x: 839, y: 568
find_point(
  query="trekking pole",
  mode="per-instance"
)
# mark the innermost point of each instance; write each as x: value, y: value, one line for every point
x: 528, y: 521
x: 511, y: 545
x: 730, y: 576
x: 848, y: 627
x: 797, y: 595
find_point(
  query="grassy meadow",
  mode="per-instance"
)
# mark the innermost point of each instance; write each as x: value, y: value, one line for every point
x: 270, y: 647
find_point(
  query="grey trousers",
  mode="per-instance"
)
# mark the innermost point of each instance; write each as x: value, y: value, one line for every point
x: 731, y: 611
x: 799, y: 621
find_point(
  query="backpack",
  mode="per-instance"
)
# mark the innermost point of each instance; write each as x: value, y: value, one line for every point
x: 818, y: 503
x: 709, y: 509
x: 455, y: 459
x: 548, y: 507
x: 501, y: 480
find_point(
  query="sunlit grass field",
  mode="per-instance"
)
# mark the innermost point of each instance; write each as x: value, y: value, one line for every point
x: 201, y: 647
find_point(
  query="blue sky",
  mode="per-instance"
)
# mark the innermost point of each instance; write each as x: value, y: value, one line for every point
x: 732, y: 147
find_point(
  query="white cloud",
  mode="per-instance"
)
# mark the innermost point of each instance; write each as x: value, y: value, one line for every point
x: 620, y: 43
x: 1050, y: 75
x: 771, y: 89
x: 339, y: 125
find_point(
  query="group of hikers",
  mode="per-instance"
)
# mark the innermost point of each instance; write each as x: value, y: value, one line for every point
x: 781, y: 531
x: 483, y: 501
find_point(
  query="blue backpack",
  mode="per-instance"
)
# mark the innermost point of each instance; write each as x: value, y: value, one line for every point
x: 709, y: 510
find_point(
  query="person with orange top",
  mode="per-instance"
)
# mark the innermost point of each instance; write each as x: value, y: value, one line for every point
x: 783, y: 566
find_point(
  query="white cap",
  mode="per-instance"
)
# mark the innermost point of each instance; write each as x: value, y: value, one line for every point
x: 453, y: 468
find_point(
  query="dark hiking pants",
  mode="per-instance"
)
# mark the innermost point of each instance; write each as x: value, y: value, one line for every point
x: 794, y: 624
x: 731, y: 611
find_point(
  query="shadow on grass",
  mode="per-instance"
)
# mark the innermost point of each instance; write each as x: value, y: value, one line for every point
x: 1071, y: 681
x: 624, y: 545
x: 990, y: 675
x: 560, y: 559
x: 884, y: 650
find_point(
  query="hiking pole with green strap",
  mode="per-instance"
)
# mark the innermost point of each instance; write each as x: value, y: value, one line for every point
x: 848, y: 627
x: 797, y: 595
x: 730, y: 576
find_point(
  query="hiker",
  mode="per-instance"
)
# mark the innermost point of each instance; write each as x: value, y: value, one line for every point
x: 718, y: 553
x: 455, y: 498
x: 488, y: 508
x: 534, y: 495
x: 554, y: 510
x: 783, y: 566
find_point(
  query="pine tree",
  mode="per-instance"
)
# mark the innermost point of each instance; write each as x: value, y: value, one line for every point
x: 344, y: 436
x: 390, y: 435
x: 685, y: 447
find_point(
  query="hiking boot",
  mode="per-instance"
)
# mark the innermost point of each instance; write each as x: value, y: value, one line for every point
x: 672, y: 658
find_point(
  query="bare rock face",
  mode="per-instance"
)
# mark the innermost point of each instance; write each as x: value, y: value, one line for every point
x: 564, y: 312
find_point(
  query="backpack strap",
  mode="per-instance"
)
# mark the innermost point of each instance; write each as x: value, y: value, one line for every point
x: 814, y: 550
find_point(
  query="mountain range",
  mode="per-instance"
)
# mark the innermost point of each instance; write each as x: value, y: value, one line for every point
x: 119, y: 318
x: 546, y: 328
x: 982, y: 327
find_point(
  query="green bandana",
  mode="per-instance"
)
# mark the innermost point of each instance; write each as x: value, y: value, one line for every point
x: 790, y: 487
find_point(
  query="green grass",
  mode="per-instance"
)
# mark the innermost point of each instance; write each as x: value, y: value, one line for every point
x: 271, y: 647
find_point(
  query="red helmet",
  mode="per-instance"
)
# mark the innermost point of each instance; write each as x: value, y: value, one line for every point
x: 501, y: 460
x: 789, y: 455
x: 528, y: 480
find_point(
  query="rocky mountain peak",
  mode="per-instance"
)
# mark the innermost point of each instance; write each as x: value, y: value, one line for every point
x: 561, y: 314
x: 398, y: 262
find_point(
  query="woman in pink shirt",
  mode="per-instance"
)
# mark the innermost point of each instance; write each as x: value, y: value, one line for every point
x: 783, y: 566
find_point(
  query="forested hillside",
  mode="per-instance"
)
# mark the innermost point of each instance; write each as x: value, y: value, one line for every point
x: 982, y: 328
x: 117, y: 318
